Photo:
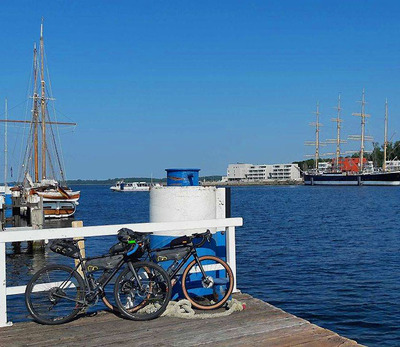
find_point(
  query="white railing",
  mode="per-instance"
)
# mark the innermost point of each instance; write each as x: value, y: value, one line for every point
x: 161, y: 229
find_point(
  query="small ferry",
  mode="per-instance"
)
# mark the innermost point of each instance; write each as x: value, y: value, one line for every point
x: 122, y: 186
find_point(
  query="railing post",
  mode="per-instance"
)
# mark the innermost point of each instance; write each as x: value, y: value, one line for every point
x: 81, y: 244
x: 231, y: 252
x: 3, y: 287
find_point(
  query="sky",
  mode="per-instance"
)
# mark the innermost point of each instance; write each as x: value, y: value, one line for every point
x: 164, y: 84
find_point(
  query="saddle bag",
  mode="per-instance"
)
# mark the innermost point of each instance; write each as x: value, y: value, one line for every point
x: 106, y: 263
x: 65, y: 247
x: 171, y: 254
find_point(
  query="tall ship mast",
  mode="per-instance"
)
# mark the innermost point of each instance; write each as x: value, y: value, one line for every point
x: 317, y: 142
x: 361, y: 175
x: 338, y: 140
x: 385, y: 141
x: 317, y: 125
x: 338, y: 121
x: 42, y: 173
x: 362, y: 138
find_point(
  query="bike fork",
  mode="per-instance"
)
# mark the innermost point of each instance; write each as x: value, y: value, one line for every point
x: 196, y: 257
x: 135, y: 274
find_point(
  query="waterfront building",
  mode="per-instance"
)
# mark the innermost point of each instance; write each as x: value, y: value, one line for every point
x: 238, y: 171
x: 393, y: 165
x: 263, y: 172
x: 324, y: 166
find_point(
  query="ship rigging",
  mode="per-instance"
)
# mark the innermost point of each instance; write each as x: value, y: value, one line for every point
x: 42, y: 174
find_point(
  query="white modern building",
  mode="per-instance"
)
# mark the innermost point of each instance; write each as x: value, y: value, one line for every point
x: 263, y: 172
x: 393, y: 165
x: 238, y: 172
x: 324, y: 165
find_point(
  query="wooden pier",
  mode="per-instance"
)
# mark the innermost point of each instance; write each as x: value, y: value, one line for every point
x: 260, y: 324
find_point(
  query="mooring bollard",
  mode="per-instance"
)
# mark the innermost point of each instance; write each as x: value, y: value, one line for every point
x: 81, y: 244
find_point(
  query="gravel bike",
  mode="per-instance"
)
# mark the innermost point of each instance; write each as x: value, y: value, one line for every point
x: 207, y: 281
x: 57, y: 293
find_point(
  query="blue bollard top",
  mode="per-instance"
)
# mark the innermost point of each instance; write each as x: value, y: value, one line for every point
x: 182, y: 177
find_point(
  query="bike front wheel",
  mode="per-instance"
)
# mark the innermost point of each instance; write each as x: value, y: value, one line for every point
x: 55, y: 294
x: 212, y: 290
x: 144, y: 293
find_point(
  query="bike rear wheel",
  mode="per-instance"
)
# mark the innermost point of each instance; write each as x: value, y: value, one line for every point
x: 54, y: 294
x: 212, y: 291
x: 145, y: 294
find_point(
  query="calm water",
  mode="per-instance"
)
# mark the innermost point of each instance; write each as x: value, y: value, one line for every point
x: 329, y: 255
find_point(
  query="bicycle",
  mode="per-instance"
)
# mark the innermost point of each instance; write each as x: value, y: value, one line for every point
x: 57, y: 293
x: 207, y: 281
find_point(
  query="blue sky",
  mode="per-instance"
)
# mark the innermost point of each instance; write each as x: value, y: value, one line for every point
x: 157, y: 84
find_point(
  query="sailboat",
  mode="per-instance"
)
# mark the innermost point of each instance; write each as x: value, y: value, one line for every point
x: 362, y: 173
x: 42, y: 174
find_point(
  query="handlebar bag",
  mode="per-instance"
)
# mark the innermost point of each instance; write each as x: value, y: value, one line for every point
x: 118, y: 248
x: 125, y: 235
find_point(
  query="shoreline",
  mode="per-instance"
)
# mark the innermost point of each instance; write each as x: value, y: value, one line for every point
x: 222, y: 184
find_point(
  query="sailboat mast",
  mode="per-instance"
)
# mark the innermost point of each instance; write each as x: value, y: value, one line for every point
x: 362, y: 130
x: 43, y: 103
x: 317, y: 137
x: 363, y: 115
x: 385, y: 138
x: 5, y: 147
x: 338, y: 126
x: 35, y: 114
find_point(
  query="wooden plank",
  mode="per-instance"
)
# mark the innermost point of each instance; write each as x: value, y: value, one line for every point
x: 260, y: 324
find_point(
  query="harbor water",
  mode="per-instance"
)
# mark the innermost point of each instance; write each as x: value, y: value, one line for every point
x: 326, y: 254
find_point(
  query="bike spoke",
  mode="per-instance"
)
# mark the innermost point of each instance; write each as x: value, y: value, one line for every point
x: 54, y: 295
x: 210, y: 288
x: 144, y: 294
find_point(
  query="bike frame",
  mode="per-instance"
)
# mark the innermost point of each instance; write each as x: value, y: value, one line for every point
x: 99, y: 288
x: 184, y: 260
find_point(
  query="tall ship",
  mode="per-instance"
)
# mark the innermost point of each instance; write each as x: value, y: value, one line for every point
x: 42, y: 175
x: 351, y: 171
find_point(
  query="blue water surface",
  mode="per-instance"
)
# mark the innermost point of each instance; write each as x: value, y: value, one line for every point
x: 326, y: 254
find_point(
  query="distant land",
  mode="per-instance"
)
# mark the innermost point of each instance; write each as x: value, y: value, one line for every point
x: 111, y: 181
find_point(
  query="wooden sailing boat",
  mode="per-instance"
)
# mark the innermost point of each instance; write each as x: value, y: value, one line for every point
x: 363, y: 176
x: 48, y: 179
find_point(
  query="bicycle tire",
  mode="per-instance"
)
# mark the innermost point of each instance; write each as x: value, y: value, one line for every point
x: 47, y: 306
x: 152, y: 300
x: 212, y: 295
x: 105, y: 297
x: 108, y: 303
